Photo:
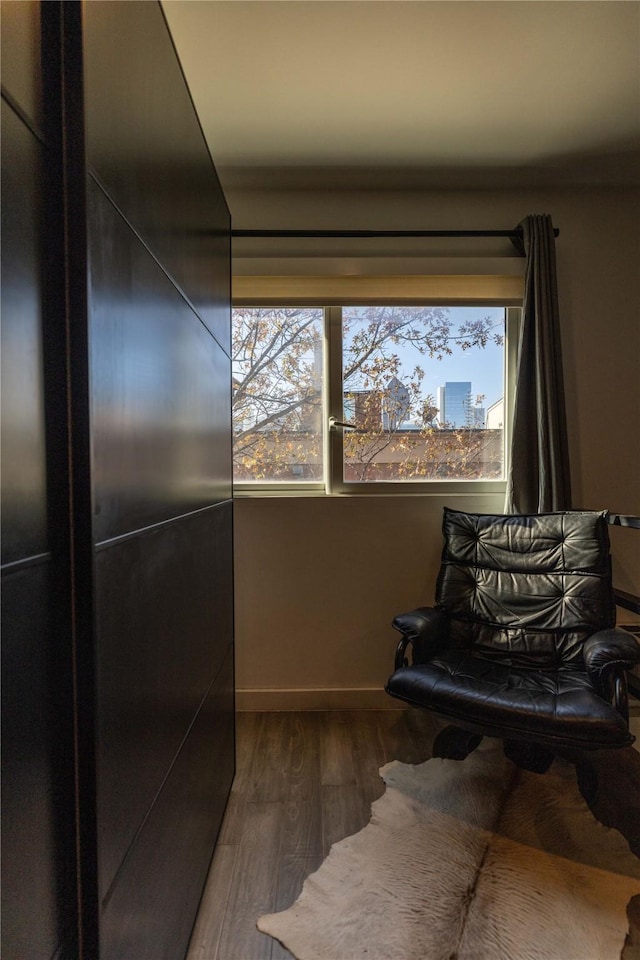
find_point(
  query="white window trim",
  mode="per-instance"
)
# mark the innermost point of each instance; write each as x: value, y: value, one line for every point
x: 333, y: 484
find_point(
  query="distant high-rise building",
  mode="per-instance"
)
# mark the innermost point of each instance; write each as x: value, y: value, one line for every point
x: 478, y: 418
x: 454, y: 404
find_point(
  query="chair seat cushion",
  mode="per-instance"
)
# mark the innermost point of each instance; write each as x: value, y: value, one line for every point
x: 558, y: 707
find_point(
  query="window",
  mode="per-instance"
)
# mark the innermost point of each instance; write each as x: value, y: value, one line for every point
x: 364, y: 398
x: 278, y: 394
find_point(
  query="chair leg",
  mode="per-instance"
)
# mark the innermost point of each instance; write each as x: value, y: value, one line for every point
x: 587, y: 778
x: 528, y: 756
x: 453, y: 743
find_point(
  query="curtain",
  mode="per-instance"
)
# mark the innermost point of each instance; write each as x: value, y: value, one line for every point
x: 539, y: 479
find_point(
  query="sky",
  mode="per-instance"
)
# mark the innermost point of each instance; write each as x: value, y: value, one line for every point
x: 483, y: 367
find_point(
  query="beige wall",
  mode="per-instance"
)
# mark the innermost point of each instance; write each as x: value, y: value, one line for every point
x: 318, y: 580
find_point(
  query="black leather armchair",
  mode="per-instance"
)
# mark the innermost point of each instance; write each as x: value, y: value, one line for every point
x: 522, y: 643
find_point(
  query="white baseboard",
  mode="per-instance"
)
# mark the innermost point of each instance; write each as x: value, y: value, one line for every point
x: 339, y: 698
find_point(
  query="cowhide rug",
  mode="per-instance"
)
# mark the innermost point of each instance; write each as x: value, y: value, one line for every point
x: 472, y: 860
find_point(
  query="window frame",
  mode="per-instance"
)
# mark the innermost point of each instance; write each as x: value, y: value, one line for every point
x: 333, y: 483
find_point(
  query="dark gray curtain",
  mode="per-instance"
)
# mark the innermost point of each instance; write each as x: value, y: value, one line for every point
x: 539, y: 479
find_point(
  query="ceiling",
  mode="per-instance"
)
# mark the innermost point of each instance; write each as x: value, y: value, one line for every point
x: 385, y: 89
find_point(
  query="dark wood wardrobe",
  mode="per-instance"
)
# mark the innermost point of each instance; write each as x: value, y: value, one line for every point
x: 117, y: 616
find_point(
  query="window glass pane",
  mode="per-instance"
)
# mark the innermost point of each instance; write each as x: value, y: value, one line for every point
x: 424, y: 387
x: 277, y: 393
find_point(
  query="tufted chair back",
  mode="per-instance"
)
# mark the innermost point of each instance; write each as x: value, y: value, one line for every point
x: 526, y: 590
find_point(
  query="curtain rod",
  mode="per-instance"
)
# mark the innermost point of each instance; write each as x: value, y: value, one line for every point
x: 302, y: 234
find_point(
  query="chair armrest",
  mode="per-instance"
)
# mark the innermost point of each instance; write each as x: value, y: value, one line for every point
x: 425, y: 628
x: 607, y: 655
x: 609, y: 649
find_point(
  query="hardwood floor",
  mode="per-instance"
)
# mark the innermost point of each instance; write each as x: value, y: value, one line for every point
x: 303, y: 781
x: 306, y: 780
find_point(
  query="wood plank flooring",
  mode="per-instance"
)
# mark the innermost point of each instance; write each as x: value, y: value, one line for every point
x: 306, y: 780
x: 303, y: 781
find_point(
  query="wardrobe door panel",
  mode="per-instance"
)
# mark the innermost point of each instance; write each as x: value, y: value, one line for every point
x: 21, y: 57
x: 37, y: 859
x: 24, y: 509
x: 151, y: 911
x: 160, y: 374
x: 30, y: 855
x: 160, y: 388
x: 164, y: 622
x: 146, y: 147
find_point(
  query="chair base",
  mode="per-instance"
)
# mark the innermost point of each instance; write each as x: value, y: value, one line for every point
x: 454, y: 743
x: 528, y: 756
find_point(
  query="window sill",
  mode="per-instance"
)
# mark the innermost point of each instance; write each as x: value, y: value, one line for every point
x: 436, y: 488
